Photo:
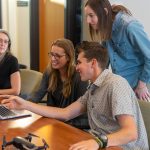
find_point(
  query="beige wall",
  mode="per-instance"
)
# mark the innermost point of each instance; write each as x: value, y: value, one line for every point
x: 16, y: 21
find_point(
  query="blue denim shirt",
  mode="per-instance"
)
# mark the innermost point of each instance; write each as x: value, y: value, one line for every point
x: 129, y: 50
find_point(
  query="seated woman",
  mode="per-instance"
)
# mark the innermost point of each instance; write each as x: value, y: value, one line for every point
x: 61, y: 82
x: 9, y: 70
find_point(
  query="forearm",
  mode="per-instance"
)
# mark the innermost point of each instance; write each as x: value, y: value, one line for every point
x: 9, y: 92
x: 47, y: 111
x: 122, y: 137
x: 127, y: 132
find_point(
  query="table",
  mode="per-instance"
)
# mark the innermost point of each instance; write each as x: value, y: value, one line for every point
x: 58, y: 135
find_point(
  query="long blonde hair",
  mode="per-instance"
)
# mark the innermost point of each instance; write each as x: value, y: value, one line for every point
x: 68, y: 47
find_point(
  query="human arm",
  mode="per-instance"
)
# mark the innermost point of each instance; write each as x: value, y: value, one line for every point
x: 41, y: 91
x: 10, y: 76
x: 142, y: 91
x: 141, y: 45
x: 126, y: 134
x: 72, y: 111
x: 123, y: 128
x: 15, y: 82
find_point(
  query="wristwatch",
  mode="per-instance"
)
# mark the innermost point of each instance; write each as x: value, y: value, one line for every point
x: 102, y: 140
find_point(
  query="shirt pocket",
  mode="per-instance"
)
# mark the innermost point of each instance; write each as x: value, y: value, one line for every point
x: 120, y: 48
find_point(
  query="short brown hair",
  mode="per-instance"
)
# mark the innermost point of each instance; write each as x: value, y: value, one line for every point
x: 94, y: 50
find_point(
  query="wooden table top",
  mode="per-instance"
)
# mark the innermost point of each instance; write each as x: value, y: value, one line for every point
x: 58, y: 135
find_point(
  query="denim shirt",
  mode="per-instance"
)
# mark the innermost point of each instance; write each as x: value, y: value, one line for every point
x: 129, y: 49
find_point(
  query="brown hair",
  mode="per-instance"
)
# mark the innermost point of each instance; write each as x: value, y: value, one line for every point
x: 94, y: 50
x: 105, y: 20
x: 68, y: 47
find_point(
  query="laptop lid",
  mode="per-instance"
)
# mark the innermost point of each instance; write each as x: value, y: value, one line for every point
x: 6, y: 113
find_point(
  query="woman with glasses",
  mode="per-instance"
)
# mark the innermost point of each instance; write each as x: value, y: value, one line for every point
x: 60, y: 81
x: 127, y: 43
x: 9, y: 70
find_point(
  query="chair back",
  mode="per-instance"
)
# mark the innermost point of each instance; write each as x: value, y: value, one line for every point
x: 30, y: 81
x: 145, y: 110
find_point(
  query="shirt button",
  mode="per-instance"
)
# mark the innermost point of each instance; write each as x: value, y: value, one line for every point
x: 114, y: 60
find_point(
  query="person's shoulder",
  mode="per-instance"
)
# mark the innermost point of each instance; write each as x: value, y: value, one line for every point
x: 125, y: 19
x: 46, y: 74
x: 134, y: 26
x: 129, y: 21
x: 10, y: 55
x: 117, y: 80
x: 11, y: 58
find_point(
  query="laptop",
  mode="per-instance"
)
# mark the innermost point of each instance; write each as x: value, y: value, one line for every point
x: 6, y: 113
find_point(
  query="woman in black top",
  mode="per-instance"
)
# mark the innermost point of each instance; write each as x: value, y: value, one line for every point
x: 60, y: 81
x: 9, y: 70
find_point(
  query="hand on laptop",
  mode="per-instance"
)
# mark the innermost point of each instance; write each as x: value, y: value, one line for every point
x: 12, y: 102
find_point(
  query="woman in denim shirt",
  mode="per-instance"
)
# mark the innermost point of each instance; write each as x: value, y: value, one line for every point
x: 127, y: 43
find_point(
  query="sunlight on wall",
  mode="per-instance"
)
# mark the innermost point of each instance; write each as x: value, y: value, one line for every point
x: 58, y: 1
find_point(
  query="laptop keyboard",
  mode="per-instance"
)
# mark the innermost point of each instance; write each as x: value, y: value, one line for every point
x: 4, y: 112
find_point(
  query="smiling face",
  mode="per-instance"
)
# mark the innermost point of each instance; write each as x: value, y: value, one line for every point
x: 58, y: 58
x: 91, y: 17
x: 84, y: 67
x: 4, y: 41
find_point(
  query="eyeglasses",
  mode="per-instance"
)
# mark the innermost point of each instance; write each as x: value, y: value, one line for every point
x: 4, y: 41
x: 55, y: 55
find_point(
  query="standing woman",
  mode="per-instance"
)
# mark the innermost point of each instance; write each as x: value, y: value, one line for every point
x: 127, y: 43
x: 9, y: 70
x: 61, y: 82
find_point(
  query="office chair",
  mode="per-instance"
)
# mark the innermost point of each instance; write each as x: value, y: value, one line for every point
x: 145, y: 110
x: 22, y: 66
x: 30, y: 81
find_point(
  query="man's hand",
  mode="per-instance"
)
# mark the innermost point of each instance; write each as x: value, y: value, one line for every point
x: 85, y: 145
x: 13, y: 102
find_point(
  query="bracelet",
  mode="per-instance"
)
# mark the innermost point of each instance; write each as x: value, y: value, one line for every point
x: 99, y: 142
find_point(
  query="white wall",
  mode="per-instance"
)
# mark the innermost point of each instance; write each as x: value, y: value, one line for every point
x: 16, y: 21
x: 139, y: 9
x: 23, y: 35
